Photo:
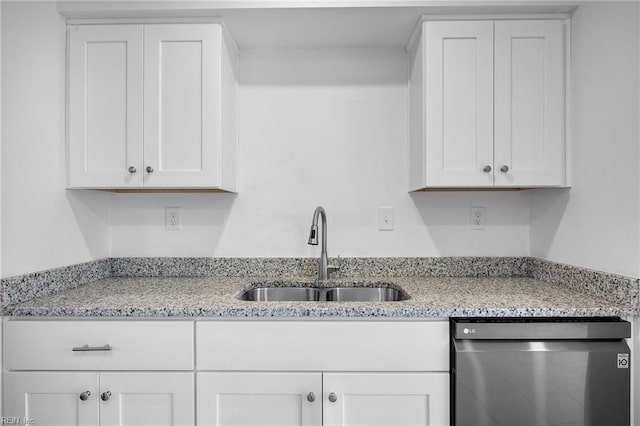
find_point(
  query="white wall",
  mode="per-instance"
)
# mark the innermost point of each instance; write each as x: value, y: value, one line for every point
x: 43, y: 225
x: 321, y: 127
x: 1, y: 326
x: 595, y: 224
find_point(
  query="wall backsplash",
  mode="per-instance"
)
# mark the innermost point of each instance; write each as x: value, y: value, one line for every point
x: 614, y: 288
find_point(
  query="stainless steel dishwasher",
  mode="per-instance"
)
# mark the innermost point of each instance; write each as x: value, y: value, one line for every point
x: 540, y: 372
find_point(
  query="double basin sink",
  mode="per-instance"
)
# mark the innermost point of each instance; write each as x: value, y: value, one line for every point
x: 369, y: 293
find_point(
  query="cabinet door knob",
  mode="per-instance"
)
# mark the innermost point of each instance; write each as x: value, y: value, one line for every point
x: 105, y: 396
x: 332, y: 397
x: 132, y: 170
x: 504, y: 169
x: 149, y: 169
x: 85, y: 395
x: 487, y: 169
x: 311, y: 397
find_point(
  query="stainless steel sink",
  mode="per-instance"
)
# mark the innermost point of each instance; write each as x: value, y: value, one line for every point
x: 319, y: 294
x: 281, y: 294
x: 364, y: 294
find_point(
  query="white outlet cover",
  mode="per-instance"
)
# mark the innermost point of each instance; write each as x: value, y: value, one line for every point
x: 477, y: 218
x: 385, y: 218
x: 172, y: 219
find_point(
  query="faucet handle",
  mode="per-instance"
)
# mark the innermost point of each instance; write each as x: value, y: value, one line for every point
x: 336, y: 266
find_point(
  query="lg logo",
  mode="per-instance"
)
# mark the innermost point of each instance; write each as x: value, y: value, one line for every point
x: 623, y: 360
x: 469, y: 331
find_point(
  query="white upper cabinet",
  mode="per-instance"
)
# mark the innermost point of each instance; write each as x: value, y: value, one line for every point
x: 487, y: 104
x: 105, y: 106
x: 459, y: 102
x: 152, y: 106
x: 529, y: 103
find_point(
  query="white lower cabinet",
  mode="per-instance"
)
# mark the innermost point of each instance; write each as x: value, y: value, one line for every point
x: 328, y: 399
x: 52, y: 398
x: 99, y: 373
x: 226, y: 373
x: 87, y: 399
x: 259, y: 399
x: 385, y: 399
x: 140, y: 399
x: 322, y: 373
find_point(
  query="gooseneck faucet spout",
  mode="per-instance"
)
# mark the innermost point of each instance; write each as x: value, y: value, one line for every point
x: 323, y: 265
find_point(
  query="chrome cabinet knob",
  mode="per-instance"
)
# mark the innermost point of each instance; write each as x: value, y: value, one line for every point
x: 85, y: 395
x: 487, y: 169
x: 105, y: 396
x: 332, y: 397
x: 132, y: 170
x: 311, y: 397
x: 504, y: 169
x: 149, y: 169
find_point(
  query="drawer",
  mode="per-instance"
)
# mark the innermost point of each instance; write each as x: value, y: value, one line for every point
x: 323, y: 345
x: 135, y: 345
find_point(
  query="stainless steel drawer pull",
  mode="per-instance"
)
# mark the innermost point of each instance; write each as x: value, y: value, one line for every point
x: 311, y: 397
x: 105, y: 395
x: 87, y: 348
x: 333, y: 397
x: 85, y: 395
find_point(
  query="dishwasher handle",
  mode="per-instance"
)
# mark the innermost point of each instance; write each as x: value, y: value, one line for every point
x: 469, y: 346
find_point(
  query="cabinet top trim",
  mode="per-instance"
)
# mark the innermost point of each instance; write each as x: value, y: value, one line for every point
x: 143, y: 21
x: 258, y: 24
x: 479, y: 17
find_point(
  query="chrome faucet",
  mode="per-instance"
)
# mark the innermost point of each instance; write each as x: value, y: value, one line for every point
x: 323, y: 266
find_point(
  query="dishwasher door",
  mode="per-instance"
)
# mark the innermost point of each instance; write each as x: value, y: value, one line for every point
x: 540, y: 383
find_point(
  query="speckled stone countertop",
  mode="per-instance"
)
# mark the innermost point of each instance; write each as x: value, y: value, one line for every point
x: 215, y: 297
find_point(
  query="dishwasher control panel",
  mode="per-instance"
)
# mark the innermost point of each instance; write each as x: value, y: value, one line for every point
x: 551, y: 328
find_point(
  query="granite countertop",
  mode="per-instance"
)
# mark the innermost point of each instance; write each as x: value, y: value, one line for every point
x: 214, y: 297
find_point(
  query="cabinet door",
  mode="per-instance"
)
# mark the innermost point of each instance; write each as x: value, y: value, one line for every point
x: 52, y: 399
x: 153, y: 399
x: 105, y: 106
x: 529, y: 103
x: 259, y: 399
x: 386, y: 399
x: 182, y: 113
x: 459, y: 103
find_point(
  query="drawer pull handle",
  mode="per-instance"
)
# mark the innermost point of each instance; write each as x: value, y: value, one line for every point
x: 105, y: 396
x: 85, y: 395
x: 87, y: 348
x: 311, y: 397
x: 333, y: 397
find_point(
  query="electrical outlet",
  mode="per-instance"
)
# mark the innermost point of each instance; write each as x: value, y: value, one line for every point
x: 173, y: 219
x: 385, y: 218
x: 478, y: 218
